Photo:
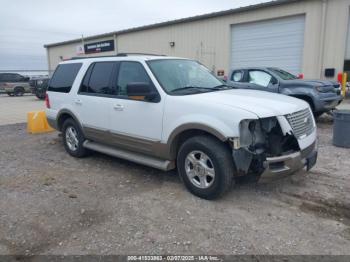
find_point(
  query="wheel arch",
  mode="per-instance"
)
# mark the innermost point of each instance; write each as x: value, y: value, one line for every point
x: 186, y: 131
x: 63, y: 115
x: 19, y: 87
x: 307, y: 99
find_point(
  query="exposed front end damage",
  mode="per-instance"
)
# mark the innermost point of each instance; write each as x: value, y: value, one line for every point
x: 270, y: 146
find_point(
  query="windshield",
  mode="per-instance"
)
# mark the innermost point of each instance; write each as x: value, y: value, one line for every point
x: 179, y: 76
x: 283, y: 74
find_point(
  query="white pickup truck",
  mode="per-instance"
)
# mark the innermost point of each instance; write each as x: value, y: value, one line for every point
x: 169, y: 113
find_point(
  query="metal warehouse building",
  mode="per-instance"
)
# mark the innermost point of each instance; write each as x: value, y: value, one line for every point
x: 303, y: 36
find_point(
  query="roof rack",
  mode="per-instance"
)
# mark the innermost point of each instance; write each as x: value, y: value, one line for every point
x: 128, y: 54
x: 117, y: 55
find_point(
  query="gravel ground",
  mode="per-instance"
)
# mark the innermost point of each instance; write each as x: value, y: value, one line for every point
x: 51, y: 203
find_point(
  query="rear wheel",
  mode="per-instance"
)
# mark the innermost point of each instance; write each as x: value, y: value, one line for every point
x: 10, y: 94
x: 40, y: 95
x: 205, y: 166
x: 73, y: 139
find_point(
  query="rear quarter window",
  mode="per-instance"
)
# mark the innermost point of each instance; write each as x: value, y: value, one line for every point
x: 63, y: 78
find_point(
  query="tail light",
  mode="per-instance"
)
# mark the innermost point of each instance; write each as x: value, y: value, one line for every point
x: 47, y: 101
x: 301, y: 76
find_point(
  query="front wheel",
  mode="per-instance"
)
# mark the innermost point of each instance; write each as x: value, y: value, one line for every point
x: 317, y: 114
x: 73, y: 139
x: 206, y: 167
x: 19, y: 91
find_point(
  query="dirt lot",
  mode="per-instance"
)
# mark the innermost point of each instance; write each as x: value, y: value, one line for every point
x: 51, y: 203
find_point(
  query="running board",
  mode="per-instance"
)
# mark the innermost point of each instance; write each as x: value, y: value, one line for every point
x: 161, y: 164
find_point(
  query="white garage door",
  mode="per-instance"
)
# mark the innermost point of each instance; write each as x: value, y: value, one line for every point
x: 277, y: 42
x: 347, y: 54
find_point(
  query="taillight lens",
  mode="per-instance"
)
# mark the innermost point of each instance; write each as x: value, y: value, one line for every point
x: 47, y: 101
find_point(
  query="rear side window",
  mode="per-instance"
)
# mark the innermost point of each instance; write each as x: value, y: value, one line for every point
x: 100, y: 79
x: 6, y: 77
x: 63, y: 78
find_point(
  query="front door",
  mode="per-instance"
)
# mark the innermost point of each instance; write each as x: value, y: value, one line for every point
x: 135, y: 123
x: 262, y: 80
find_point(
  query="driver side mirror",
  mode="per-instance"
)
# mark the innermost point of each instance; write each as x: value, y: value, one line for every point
x: 274, y: 81
x: 142, y: 91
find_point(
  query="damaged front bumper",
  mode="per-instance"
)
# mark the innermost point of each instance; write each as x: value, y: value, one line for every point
x: 289, y: 164
x: 277, y: 146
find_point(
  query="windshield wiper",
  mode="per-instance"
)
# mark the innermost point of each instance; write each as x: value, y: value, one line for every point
x: 222, y: 87
x: 194, y: 88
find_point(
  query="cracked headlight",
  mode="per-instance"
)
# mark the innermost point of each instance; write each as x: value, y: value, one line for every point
x: 247, y: 131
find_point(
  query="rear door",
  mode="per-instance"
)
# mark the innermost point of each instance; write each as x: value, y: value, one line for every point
x: 93, y: 102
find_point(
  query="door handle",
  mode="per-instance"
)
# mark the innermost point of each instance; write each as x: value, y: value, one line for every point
x: 78, y: 101
x: 118, y: 107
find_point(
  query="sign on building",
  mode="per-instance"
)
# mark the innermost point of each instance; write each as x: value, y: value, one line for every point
x: 98, y: 47
x: 79, y: 50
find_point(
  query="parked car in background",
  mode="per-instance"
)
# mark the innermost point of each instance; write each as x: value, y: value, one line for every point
x: 14, y: 84
x: 39, y: 86
x: 172, y: 113
x: 322, y: 95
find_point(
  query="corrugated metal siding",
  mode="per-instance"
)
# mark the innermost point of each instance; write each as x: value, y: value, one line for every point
x: 209, y: 40
x: 347, y: 53
x: 277, y: 42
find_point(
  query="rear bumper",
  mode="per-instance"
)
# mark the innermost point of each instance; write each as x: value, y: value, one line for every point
x: 289, y: 164
x: 52, y: 122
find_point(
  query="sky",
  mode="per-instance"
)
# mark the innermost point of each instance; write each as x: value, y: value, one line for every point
x: 26, y: 25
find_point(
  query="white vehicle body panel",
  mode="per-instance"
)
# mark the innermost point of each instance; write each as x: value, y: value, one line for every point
x: 221, y: 110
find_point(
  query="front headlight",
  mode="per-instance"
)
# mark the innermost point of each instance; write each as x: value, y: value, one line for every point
x: 247, y: 129
x: 324, y: 89
x: 319, y: 89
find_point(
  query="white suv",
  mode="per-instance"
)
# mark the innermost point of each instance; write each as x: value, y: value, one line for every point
x: 171, y: 113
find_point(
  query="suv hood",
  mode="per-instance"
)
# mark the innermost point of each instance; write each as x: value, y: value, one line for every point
x: 263, y: 104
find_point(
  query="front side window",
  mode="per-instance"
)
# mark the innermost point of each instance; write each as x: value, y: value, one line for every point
x: 99, y: 82
x: 63, y: 78
x: 283, y: 74
x: 180, y: 76
x: 259, y: 78
x: 131, y: 72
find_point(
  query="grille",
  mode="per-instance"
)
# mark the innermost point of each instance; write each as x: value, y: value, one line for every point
x: 301, y: 122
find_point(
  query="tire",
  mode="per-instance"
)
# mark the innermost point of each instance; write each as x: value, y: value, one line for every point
x: 317, y: 114
x: 19, y: 91
x: 198, y: 159
x: 10, y: 94
x: 40, y: 95
x: 73, y: 139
